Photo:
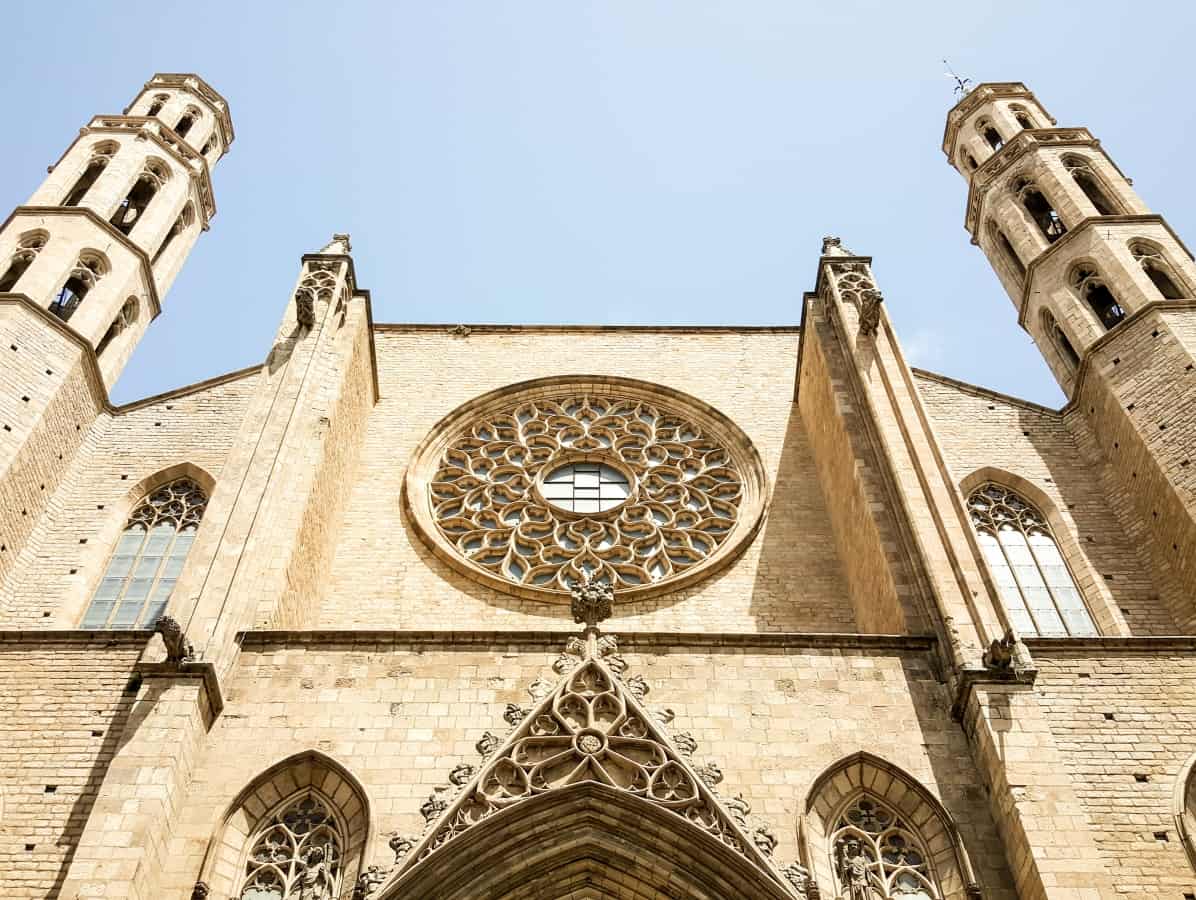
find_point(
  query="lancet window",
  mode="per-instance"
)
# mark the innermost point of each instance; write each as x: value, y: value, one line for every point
x: 1092, y: 289
x: 297, y: 854
x: 148, y: 183
x: 879, y: 855
x: 1084, y: 175
x: 78, y: 284
x: 1022, y: 116
x: 156, y: 106
x: 989, y: 132
x: 1036, y: 586
x: 1150, y: 258
x: 148, y: 558
x: 29, y: 245
x: 124, y: 319
x: 181, y: 224
x: 187, y: 121
x: 101, y: 155
x: 1058, y: 337
x: 1040, y: 210
x: 1006, y: 249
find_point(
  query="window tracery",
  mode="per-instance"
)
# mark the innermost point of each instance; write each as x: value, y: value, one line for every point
x: 1091, y: 288
x: 1036, y: 586
x: 1040, y: 210
x: 878, y: 855
x: 1052, y: 330
x: 297, y: 855
x: 1152, y: 261
x: 1089, y: 182
x: 492, y: 501
x: 28, y: 246
x: 153, y: 176
x: 148, y: 557
x: 82, y: 279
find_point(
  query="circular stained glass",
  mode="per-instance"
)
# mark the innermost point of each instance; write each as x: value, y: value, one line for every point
x: 585, y: 487
x: 536, y: 489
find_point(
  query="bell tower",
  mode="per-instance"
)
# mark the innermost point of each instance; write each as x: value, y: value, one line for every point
x: 1107, y: 290
x: 83, y: 269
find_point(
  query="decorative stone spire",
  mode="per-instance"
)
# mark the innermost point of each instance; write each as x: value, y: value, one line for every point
x: 338, y: 246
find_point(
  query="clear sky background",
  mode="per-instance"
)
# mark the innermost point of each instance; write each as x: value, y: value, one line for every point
x: 600, y: 162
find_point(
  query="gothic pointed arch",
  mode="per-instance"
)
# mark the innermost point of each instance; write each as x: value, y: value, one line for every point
x: 869, y: 821
x: 303, y: 811
x: 583, y: 836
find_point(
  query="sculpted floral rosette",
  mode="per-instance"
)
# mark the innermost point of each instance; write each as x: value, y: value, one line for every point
x: 535, y: 490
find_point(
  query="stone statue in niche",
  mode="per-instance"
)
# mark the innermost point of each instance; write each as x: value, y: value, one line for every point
x: 317, y: 880
x: 853, y: 871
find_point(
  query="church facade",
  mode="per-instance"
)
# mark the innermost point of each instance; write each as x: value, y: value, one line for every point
x: 470, y: 611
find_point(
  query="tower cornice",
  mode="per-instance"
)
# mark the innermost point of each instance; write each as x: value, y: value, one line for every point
x: 147, y: 269
x: 151, y: 128
x: 211, y: 97
x: 978, y: 96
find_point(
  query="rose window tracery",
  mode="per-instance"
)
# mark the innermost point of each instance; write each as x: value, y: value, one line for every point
x: 552, y: 490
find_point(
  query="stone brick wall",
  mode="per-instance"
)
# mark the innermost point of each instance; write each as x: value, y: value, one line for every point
x: 113, y: 470
x: 1125, y: 723
x: 399, y: 714
x: 986, y: 435
x: 63, y: 713
x: 788, y: 579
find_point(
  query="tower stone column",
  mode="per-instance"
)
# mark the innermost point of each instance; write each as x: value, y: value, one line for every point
x: 83, y: 269
x: 1107, y: 290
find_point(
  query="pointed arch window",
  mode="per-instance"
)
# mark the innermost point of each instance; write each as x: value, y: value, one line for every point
x: 77, y: 286
x: 1022, y: 115
x: 29, y: 245
x: 101, y: 155
x: 1151, y: 259
x: 989, y: 132
x: 878, y: 854
x: 148, y: 557
x: 1036, y: 586
x: 1092, y: 289
x: 124, y: 319
x: 1058, y: 337
x: 181, y: 224
x: 187, y: 121
x: 297, y: 854
x: 157, y: 104
x: 1006, y: 248
x: 148, y: 183
x: 1090, y: 183
x: 1040, y: 209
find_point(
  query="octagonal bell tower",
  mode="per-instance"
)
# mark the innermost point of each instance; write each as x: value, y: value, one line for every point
x: 1108, y: 292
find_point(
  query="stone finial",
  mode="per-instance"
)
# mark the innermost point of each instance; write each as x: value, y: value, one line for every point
x: 999, y: 655
x: 178, y: 648
x: 833, y: 246
x: 593, y: 602
x: 338, y: 246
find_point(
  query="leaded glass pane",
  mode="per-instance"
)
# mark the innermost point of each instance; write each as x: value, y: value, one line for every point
x: 1039, y: 593
x: 148, y: 558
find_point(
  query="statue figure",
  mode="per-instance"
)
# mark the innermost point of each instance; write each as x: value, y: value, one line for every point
x: 853, y: 871
x: 317, y: 882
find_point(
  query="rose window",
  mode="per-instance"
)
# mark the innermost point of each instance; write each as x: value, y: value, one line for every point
x: 544, y: 491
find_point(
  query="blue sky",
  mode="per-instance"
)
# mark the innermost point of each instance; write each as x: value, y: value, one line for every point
x: 600, y: 162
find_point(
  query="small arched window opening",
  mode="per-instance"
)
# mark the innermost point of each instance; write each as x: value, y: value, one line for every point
x: 29, y: 245
x: 1036, y: 586
x: 186, y: 121
x: 124, y: 320
x: 1040, y: 210
x: 1151, y: 260
x: 1092, y: 290
x: 989, y: 132
x: 1022, y: 116
x: 1059, y: 338
x: 131, y: 209
x: 157, y: 104
x: 148, y: 558
x: 100, y: 157
x: 1006, y: 249
x: 1084, y: 175
x: 181, y: 224
x: 78, y: 284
